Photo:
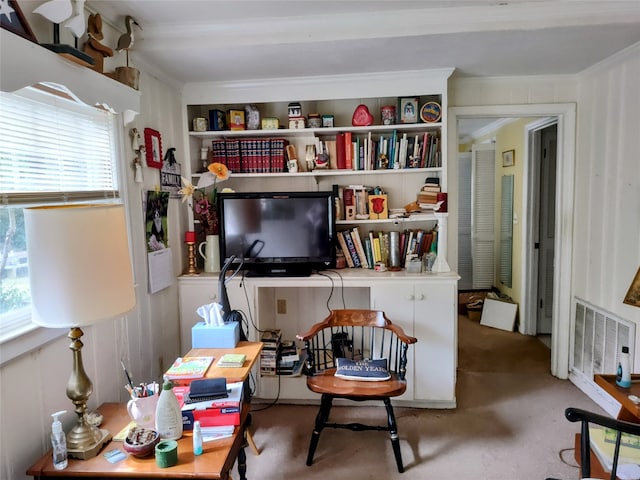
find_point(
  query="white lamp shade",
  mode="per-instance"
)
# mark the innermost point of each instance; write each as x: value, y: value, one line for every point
x: 79, y: 264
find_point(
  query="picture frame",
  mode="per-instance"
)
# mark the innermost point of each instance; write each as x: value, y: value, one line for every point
x: 153, y: 147
x: 508, y: 158
x: 15, y: 22
x: 408, y: 107
x: 633, y: 294
x: 378, y: 207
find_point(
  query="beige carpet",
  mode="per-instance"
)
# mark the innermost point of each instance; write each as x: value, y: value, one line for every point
x: 508, y: 425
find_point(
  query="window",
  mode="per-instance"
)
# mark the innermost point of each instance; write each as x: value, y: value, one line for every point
x: 53, y: 149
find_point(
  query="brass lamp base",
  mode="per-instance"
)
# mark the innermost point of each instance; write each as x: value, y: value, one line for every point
x: 89, y: 450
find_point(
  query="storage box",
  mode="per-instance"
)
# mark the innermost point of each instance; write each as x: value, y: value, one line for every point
x: 212, y: 413
x: 219, y: 336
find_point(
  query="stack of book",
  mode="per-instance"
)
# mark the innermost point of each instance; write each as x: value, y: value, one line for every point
x: 292, y: 358
x: 428, y: 194
x: 271, y: 340
x: 217, y: 412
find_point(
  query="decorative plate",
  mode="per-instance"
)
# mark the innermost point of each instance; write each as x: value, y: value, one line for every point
x: 430, y: 112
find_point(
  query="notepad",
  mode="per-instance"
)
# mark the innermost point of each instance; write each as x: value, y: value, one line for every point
x: 232, y: 360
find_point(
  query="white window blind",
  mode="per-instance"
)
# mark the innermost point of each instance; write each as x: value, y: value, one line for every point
x: 53, y: 149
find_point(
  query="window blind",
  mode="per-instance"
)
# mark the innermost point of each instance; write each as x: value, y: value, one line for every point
x: 54, y: 149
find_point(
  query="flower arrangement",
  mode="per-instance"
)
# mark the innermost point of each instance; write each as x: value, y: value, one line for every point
x: 205, y: 203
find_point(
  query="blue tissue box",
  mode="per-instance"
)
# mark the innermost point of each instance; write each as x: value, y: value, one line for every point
x: 218, y: 336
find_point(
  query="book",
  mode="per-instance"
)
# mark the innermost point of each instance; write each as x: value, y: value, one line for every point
x: 603, y: 449
x: 345, y: 249
x: 232, y: 360
x: 188, y: 368
x: 357, y: 241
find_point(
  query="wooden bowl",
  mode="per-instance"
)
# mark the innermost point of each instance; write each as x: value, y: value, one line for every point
x: 141, y: 442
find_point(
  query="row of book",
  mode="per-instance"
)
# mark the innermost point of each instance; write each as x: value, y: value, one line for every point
x: 393, y: 151
x: 251, y: 155
x: 378, y: 247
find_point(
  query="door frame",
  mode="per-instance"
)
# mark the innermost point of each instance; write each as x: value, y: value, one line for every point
x: 565, y: 184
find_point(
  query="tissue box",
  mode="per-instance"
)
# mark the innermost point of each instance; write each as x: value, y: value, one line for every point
x: 218, y: 336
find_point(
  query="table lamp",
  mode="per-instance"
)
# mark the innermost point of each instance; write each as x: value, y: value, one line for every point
x: 80, y: 273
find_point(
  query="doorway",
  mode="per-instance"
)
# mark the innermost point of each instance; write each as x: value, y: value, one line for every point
x: 560, y: 275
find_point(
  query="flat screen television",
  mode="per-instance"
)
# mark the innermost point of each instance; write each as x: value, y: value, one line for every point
x: 278, y: 233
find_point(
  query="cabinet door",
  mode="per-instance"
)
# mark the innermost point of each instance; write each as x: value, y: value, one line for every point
x: 398, y: 302
x: 436, y: 324
x: 426, y: 311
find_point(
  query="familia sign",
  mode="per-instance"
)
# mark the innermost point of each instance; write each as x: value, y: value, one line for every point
x: 170, y: 174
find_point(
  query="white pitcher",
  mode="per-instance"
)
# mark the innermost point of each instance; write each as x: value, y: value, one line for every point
x: 211, y: 253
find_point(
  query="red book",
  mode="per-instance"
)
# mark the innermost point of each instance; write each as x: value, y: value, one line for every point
x: 348, y: 151
x: 340, y: 151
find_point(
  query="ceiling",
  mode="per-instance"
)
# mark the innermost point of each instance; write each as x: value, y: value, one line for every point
x: 221, y: 40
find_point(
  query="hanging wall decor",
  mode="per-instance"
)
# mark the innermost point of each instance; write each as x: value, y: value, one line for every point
x: 153, y: 147
x: 13, y: 19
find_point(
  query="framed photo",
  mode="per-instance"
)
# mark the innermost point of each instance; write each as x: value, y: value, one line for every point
x: 153, y: 147
x: 378, y: 208
x: 508, y: 158
x: 633, y: 294
x: 409, y: 109
x: 13, y: 20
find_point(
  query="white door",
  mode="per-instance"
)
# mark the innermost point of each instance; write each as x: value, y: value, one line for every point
x: 546, y: 226
x: 465, y: 268
x: 483, y: 215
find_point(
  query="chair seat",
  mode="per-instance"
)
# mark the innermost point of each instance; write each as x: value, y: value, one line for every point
x: 326, y: 382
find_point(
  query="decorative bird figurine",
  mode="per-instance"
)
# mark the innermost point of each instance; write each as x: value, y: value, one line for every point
x: 76, y: 23
x: 55, y: 10
x: 125, y: 42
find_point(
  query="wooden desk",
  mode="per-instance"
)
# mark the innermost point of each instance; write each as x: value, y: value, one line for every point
x: 629, y: 412
x: 215, y: 463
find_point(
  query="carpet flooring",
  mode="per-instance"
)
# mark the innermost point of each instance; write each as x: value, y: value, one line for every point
x: 508, y: 424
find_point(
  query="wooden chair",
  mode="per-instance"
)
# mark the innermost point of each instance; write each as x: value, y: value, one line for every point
x: 586, y: 418
x: 356, y: 335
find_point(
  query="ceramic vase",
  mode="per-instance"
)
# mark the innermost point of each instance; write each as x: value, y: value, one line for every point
x: 210, y: 252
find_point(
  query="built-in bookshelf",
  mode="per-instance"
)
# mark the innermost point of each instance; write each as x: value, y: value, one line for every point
x: 414, y: 150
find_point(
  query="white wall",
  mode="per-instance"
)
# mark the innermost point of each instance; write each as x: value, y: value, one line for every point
x: 607, y: 227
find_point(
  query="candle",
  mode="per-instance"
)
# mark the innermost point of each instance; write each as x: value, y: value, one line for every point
x: 190, y: 237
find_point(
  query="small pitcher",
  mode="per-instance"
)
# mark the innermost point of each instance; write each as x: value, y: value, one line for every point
x: 211, y: 253
x: 142, y: 410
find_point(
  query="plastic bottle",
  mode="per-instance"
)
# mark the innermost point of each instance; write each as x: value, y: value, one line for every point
x: 58, y: 442
x: 168, y: 414
x: 197, y: 438
x: 623, y: 375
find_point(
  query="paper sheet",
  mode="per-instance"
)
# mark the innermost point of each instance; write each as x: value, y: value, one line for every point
x: 160, y: 270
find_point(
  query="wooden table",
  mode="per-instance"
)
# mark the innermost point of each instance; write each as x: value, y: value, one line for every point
x: 629, y: 412
x: 215, y: 463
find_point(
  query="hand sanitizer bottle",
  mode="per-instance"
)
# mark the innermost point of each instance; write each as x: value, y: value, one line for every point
x: 197, y: 438
x: 58, y: 442
x: 623, y: 375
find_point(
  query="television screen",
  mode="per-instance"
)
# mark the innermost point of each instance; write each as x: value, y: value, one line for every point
x: 278, y: 233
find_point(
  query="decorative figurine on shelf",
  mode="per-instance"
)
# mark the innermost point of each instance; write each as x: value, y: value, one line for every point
x: 127, y: 75
x: 138, y: 147
x: 57, y: 11
x: 93, y: 47
x: 362, y: 116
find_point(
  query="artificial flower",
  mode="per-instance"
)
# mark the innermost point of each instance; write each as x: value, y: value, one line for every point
x: 205, y: 204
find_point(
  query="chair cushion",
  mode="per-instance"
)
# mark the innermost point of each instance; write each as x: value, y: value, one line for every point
x: 367, y: 370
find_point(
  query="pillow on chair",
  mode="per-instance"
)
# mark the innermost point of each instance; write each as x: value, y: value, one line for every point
x: 367, y: 370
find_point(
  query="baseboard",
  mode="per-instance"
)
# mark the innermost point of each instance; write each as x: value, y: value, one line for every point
x: 595, y: 393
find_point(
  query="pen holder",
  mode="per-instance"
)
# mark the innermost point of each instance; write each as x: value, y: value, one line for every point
x: 142, y: 410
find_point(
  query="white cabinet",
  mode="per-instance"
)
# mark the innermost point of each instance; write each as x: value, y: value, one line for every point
x: 424, y: 305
